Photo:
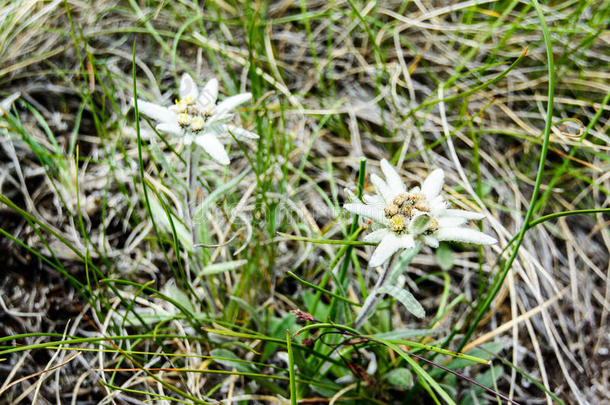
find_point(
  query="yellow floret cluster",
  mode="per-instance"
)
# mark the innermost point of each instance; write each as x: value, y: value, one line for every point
x: 404, y: 208
x: 190, y: 114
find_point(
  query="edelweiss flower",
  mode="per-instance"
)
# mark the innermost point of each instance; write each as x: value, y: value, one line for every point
x: 197, y: 118
x: 405, y: 218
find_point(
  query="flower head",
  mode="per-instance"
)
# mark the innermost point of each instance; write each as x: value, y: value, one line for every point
x: 197, y: 118
x: 403, y: 218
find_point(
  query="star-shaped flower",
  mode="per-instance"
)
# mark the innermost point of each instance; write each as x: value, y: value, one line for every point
x: 197, y: 118
x: 403, y: 218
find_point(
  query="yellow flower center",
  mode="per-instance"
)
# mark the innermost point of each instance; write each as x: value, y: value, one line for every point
x: 404, y: 208
x: 191, y: 114
x: 398, y: 223
x: 408, y: 205
x: 391, y: 210
x: 207, y: 110
x: 184, y: 119
x: 197, y: 124
x: 179, y: 106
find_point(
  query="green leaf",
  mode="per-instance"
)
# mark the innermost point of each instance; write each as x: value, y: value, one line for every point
x: 248, y: 308
x: 444, y: 256
x: 217, y: 268
x: 405, y: 298
x: 400, y: 377
x: 161, y: 217
x: 321, y: 308
x: 277, y: 327
x: 216, y: 194
x: 419, y: 224
x: 486, y: 351
x: 406, y: 333
x: 486, y: 188
x: 326, y: 387
x: 424, y: 376
x: 403, y: 261
x: 230, y: 360
x: 477, y: 395
x: 180, y: 297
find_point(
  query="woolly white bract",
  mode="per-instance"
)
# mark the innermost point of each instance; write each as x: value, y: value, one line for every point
x: 403, y: 218
x: 197, y: 118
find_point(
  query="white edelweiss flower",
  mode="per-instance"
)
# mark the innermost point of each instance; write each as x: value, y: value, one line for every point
x: 404, y: 218
x: 197, y: 118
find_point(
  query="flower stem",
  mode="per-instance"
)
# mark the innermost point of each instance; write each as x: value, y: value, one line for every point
x: 371, y: 302
x: 389, y: 276
x: 192, y: 161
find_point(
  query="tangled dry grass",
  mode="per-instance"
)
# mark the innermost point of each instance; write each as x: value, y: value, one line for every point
x: 331, y: 91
